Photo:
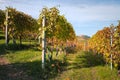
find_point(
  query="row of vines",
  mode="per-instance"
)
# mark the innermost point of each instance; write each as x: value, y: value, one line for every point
x: 23, y: 26
x: 107, y: 43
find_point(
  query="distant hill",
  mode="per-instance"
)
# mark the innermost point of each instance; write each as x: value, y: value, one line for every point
x: 83, y: 37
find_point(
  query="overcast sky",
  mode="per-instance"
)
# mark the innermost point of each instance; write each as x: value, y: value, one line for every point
x: 86, y: 16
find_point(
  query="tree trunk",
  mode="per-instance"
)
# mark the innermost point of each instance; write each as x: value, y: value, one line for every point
x: 20, y: 40
x: 8, y: 39
x: 14, y: 41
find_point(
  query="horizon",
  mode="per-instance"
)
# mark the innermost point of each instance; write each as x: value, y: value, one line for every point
x: 87, y: 17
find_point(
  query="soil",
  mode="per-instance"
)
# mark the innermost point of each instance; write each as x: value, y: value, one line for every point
x: 3, y: 61
x: 10, y: 72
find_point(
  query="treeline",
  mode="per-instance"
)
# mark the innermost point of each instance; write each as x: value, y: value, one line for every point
x: 22, y: 25
x: 107, y: 43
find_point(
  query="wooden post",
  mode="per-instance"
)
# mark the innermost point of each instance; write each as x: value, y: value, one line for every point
x: 111, y: 42
x: 43, y: 43
x: 85, y: 43
x: 6, y: 29
x: 111, y: 52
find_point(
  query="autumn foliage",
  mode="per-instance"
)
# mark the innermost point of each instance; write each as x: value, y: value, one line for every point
x: 107, y: 42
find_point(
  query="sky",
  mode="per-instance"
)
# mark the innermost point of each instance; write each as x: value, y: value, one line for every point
x: 86, y: 16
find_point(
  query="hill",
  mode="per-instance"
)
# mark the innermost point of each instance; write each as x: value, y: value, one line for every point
x: 83, y: 37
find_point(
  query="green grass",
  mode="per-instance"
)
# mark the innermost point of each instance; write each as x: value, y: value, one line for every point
x: 25, y: 62
x: 23, y: 56
x: 87, y: 66
x: 92, y: 73
x: 27, y: 59
x: 2, y: 35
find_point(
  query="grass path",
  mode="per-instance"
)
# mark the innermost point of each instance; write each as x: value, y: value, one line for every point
x: 76, y: 70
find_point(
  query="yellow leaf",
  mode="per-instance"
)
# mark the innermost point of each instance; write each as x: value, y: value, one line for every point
x: 115, y: 64
x: 67, y: 79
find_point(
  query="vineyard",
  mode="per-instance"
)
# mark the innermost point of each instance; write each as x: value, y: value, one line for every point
x: 107, y: 43
x: 67, y: 56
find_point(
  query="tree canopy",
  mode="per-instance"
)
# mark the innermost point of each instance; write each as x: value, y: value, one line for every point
x: 2, y: 18
x: 107, y: 42
x: 57, y: 25
x: 19, y: 24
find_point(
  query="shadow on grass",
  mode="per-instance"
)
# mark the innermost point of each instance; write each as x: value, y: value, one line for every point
x: 2, y: 37
x: 86, y: 59
x: 30, y: 70
x: 15, y: 47
x: 2, y: 49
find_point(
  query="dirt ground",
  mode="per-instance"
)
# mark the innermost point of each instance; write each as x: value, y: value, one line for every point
x: 10, y: 72
x: 3, y: 61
